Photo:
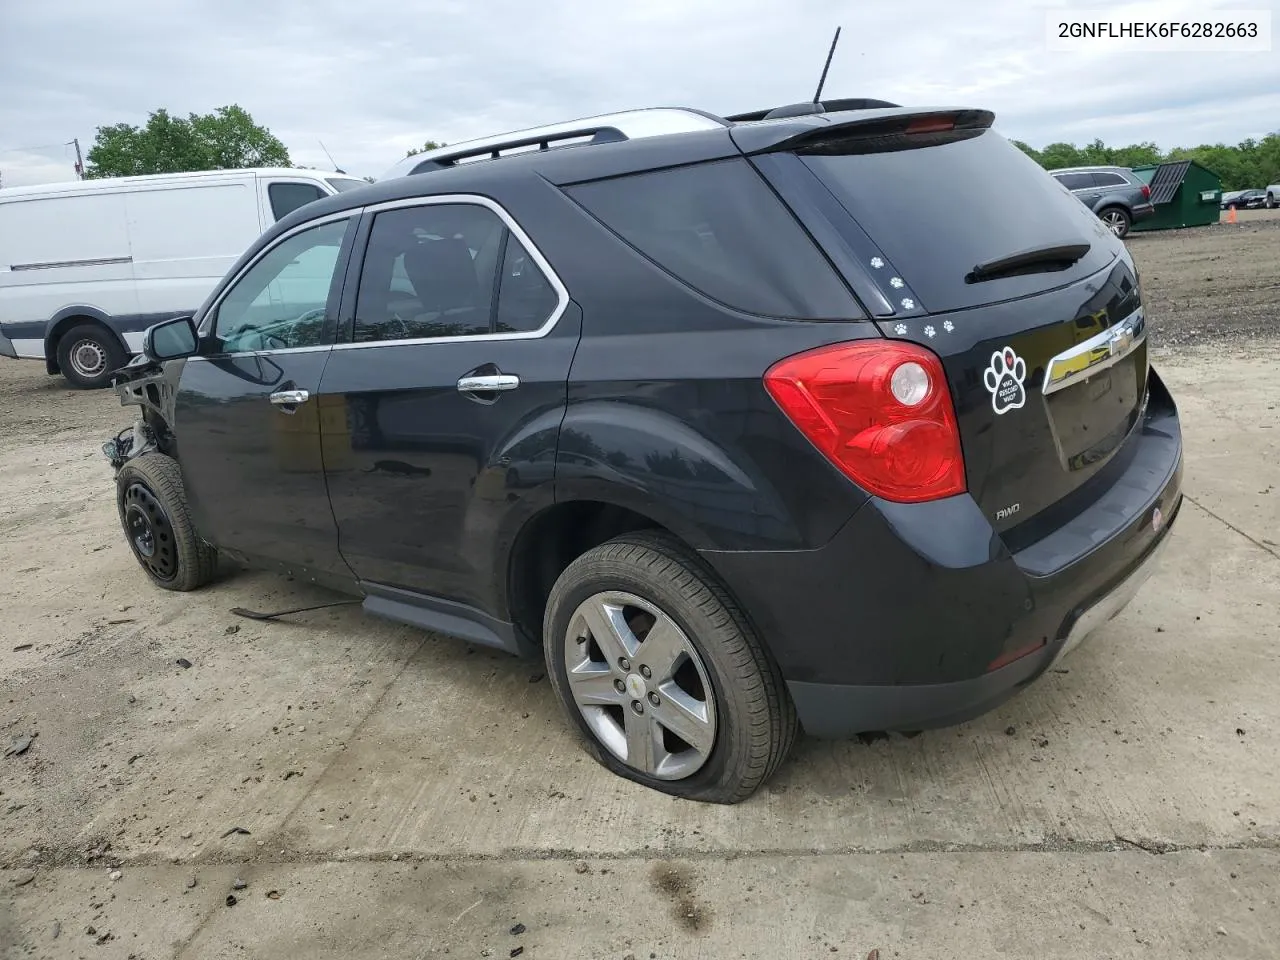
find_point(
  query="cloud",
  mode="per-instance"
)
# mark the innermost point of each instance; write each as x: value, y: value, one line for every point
x: 370, y: 80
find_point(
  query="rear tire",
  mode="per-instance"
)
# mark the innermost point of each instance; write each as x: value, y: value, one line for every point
x: 1117, y: 220
x: 1271, y: 202
x: 712, y: 721
x: 153, y: 511
x: 88, y: 355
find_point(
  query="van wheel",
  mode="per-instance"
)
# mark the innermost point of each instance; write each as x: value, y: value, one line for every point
x: 1117, y: 221
x: 662, y: 674
x: 157, y: 524
x: 88, y: 355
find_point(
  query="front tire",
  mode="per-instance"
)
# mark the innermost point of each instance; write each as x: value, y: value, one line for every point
x: 88, y: 355
x: 1117, y: 220
x: 662, y: 674
x: 153, y: 512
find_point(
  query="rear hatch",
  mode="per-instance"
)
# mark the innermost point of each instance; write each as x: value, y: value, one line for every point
x: 970, y: 249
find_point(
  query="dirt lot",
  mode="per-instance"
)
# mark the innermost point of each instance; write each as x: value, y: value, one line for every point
x: 381, y: 792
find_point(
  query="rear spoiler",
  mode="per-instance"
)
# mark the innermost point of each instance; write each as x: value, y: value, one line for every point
x: 877, y: 131
x: 802, y: 109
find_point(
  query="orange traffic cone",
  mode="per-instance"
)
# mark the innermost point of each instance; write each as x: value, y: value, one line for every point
x: 1231, y: 215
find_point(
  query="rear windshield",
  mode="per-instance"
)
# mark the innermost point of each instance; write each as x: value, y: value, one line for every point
x: 939, y: 211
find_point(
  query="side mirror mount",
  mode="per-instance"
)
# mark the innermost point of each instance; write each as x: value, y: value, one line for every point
x: 170, y: 340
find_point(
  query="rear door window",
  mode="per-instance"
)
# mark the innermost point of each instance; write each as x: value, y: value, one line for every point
x: 1109, y: 180
x: 1076, y: 181
x: 449, y: 270
x: 718, y: 228
x: 998, y: 202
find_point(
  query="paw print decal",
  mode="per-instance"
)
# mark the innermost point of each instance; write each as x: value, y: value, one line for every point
x: 929, y: 332
x: 877, y: 263
x: 1003, y: 378
x: 908, y: 303
x: 896, y: 283
x: 900, y: 329
x: 948, y: 326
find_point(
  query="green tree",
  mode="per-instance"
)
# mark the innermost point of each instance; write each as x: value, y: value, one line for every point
x: 429, y: 145
x: 226, y: 139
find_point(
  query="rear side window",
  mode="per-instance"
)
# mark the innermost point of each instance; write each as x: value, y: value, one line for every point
x: 718, y: 228
x: 1109, y: 180
x: 288, y: 197
x: 525, y: 296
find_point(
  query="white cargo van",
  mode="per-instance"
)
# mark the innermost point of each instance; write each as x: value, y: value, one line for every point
x: 86, y: 266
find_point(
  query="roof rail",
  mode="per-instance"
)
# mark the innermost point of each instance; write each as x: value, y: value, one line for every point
x: 608, y: 128
x: 806, y: 109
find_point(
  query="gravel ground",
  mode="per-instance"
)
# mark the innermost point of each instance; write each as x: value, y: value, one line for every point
x: 1212, y: 285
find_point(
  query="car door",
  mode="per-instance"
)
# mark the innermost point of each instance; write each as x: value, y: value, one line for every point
x: 247, y: 420
x: 1089, y: 189
x: 454, y: 379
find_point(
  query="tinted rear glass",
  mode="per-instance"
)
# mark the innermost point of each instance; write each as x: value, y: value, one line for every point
x: 936, y: 212
x: 1109, y: 180
x: 718, y: 227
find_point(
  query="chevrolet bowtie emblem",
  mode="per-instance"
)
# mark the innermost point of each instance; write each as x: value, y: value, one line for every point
x: 1119, y: 341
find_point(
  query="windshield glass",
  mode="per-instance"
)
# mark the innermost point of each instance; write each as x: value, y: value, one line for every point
x: 343, y: 184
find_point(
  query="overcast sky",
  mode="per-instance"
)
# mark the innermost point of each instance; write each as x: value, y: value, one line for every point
x: 371, y: 78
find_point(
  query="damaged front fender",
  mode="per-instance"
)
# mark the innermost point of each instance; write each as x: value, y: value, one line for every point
x: 151, y: 386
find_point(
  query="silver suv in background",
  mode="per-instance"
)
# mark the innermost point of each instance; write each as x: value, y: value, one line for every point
x: 1273, y: 196
x: 1115, y: 194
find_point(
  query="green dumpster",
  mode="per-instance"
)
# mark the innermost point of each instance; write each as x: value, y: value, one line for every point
x: 1185, y: 194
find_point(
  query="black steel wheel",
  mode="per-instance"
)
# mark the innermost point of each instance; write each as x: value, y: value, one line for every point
x: 158, y: 526
x: 150, y: 532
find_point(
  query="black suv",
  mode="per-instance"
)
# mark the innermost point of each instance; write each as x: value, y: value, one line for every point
x: 736, y: 425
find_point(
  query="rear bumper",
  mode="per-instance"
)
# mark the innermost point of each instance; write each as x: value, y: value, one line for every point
x: 1143, y: 210
x: 838, y: 711
x: 918, y: 616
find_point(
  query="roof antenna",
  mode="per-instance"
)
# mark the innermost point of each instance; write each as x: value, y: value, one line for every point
x: 338, y: 169
x: 827, y: 66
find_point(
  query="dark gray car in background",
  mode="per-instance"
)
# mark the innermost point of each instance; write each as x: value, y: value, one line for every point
x: 1115, y: 194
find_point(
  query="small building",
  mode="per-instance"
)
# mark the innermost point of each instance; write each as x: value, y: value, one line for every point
x: 1185, y: 194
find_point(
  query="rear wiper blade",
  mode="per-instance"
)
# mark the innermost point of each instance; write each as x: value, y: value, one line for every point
x: 1037, y: 260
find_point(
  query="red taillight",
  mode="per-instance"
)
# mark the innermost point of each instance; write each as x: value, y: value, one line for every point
x: 1146, y: 192
x: 897, y: 438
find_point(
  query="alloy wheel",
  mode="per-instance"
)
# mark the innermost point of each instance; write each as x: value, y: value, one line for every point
x: 1115, y: 222
x: 640, y: 685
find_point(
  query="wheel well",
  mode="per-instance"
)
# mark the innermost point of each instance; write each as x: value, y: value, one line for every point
x: 552, y: 541
x: 60, y: 329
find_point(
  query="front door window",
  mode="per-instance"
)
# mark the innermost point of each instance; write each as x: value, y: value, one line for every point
x: 280, y: 303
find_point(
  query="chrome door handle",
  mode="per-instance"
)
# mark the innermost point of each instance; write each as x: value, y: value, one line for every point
x: 488, y: 384
x: 290, y: 398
